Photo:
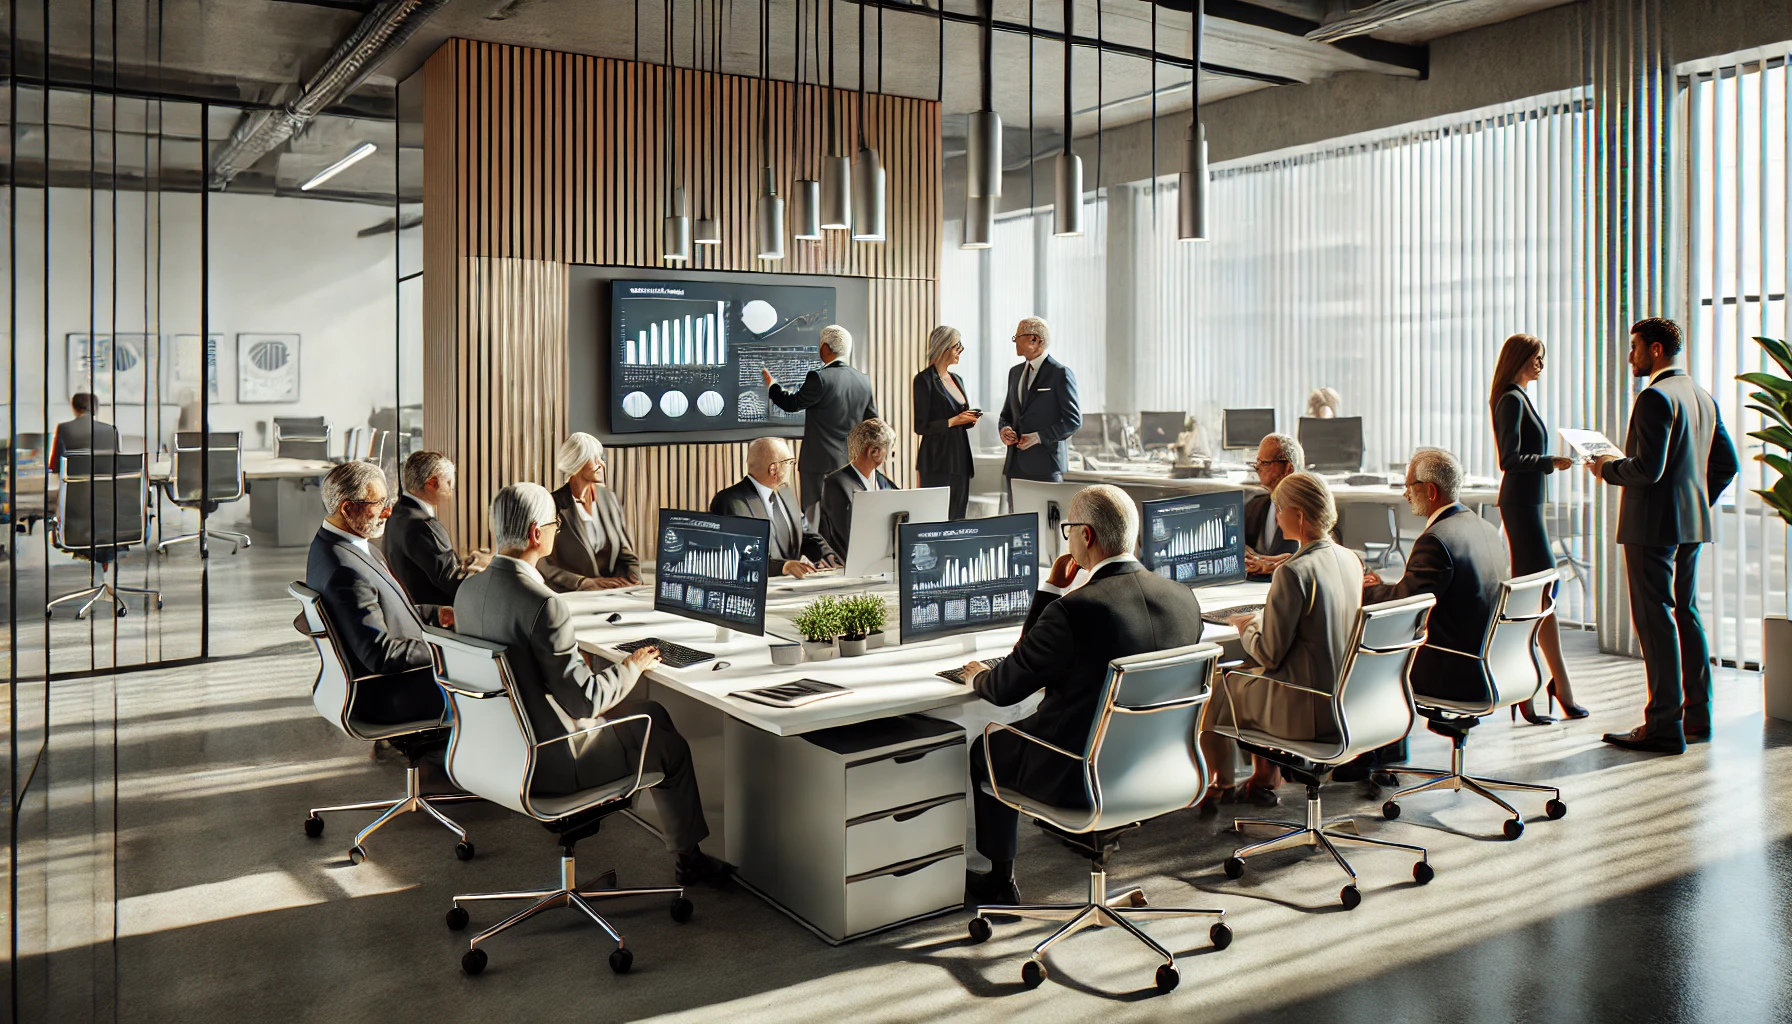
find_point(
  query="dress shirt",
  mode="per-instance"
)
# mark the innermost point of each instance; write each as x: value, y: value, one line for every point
x: 1267, y: 539
x: 527, y: 569
x: 1027, y: 377
x: 1085, y: 574
x: 1440, y: 511
x: 1658, y: 374
x: 869, y: 481
x: 353, y: 538
x: 428, y: 509
x: 773, y: 508
x: 594, y: 530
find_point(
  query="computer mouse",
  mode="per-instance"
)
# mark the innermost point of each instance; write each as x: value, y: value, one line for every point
x: 613, y: 617
x: 719, y: 666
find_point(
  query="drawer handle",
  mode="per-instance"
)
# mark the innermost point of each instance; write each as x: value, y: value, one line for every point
x: 910, y: 871
x: 912, y: 815
x: 911, y: 758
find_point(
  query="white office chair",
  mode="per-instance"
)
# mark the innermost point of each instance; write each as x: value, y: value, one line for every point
x: 1507, y: 664
x: 493, y: 754
x: 1371, y: 707
x: 334, y: 696
x: 1140, y: 762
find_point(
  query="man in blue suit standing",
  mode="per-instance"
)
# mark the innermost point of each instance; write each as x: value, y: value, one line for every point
x: 1040, y: 411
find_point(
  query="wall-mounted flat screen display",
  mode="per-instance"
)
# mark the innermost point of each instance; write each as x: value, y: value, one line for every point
x: 687, y: 355
x: 712, y: 568
x: 962, y: 577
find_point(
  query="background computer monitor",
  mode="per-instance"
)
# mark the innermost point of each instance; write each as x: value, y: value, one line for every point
x: 1195, y: 539
x: 874, y: 518
x: 1246, y: 428
x: 712, y: 569
x: 1160, y: 429
x: 1096, y: 435
x: 967, y: 576
x: 1051, y: 503
x: 1332, y: 444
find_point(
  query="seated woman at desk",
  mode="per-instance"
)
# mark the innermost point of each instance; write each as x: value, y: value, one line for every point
x: 593, y: 550
x: 1302, y: 636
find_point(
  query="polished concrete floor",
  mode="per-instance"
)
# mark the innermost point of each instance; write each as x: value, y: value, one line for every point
x: 1663, y: 895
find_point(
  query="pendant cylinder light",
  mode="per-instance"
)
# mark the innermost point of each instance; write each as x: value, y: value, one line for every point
x: 1191, y: 183
x: 868, y: 198
x: 1067, y: 210
x: 836, y: 193
x: 769, y: 219
x: 805, y: 211
x: 675, y: 232
x: 984, y: 155
x: 979, y: 222
x: 707, y: 232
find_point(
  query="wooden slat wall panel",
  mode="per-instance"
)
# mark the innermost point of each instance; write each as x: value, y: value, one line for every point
x: 535, y: 160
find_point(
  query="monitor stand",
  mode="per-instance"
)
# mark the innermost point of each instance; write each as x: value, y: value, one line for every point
x: 970, y: 643
x: 724, y: 634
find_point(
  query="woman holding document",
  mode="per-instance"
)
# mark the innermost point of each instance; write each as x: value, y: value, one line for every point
x: 1523, y: 441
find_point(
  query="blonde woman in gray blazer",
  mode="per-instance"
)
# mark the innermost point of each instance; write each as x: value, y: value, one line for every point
x: 593, y: 550
x: 1301, y: 636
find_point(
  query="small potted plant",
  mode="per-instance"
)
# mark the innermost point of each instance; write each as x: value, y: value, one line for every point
x: 877, y: 610
x: 819, y: 623
x: 1774, y: 403
x: 860, y: 617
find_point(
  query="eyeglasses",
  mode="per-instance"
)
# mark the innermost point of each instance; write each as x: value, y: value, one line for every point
x: 1259, y: 465
x: 554, y: 523
x: 1064, y: 529
x: 380, y: 505
x: 784, y: 462
x: 1019, y: 337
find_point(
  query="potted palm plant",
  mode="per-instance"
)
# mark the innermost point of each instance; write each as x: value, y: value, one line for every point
x: 1774, y: 401
x: 819, y: 623
x: 856, y: 623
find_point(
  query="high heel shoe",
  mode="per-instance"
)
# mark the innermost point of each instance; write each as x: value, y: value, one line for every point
x: 1570, y: 710
x: 1529, y: 710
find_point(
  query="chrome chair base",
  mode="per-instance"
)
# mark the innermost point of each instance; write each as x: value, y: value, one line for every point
x: 569, y: 894
x: 237, y: 540
x: 1102, y: 910
x: 104, y: 592
x: 412, y: 801
x: 1455, y: 779
x: 1316, y: 831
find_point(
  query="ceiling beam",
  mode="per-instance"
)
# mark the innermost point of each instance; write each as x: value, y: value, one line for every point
x: 1400, y: 55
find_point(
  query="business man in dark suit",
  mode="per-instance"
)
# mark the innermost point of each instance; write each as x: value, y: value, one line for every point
x: 416, y: 543
x: 1677, y: 461
x: 1264, y: 546
x: 83, y: 433
x: 869, y: 445
x: 1040, y: 411
x: 1064, y: 650
x: 510, y: 604
x: 1459, y: 559
x: 381, y: 631
x: 833, y: 399
x: 795, y: 549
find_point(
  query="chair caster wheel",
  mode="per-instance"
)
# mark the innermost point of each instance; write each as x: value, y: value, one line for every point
x: 1513, y: 828
x: 1385, y: 780
x: 1390, y: 810
x: 1234, y: 867
x: 473, y: 961
x: 463, y: 850
x: 1555, y: 810
x: 121, y: 611
x: 1422, y: 872
x: 1167, y: 978
x: 158, y: 604
x: 1138, y: 899
x: 357, y: 854
x: 682, y: 909
x: 1032, y: 974
x: 1351, y: 897
x: 607, y: 880
x: 1220, y: 935
x: 621, y: 960
x: 457, y: 919
x: 314, y: 826
x: 980, y: 930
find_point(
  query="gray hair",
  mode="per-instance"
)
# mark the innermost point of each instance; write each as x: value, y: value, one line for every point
x: 347, y: 482
x: 764, y: 451
x: 941, y: 341
x: 838, y: 340
x: 1287, y: 447
x: 575, y: 451
x: 1307, y: 494
x: 1037, y: 326
x: 422, y: 467
x: 872, y: 432
x: 1111, y: 514
x: 1438, y: 468
x: 516, y: 508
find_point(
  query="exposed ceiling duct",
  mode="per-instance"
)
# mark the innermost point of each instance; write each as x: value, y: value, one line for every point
x: 378, y: 36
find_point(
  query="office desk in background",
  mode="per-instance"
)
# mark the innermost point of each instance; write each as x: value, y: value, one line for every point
x: 289, y: 502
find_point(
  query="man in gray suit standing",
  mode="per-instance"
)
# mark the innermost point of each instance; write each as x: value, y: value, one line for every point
x: 83, y: 433
x: 834, y: 399
x: 510, y: 604
x: 1678, y: 459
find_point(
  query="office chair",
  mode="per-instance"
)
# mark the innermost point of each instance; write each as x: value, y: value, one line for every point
x: 1372, y: 529
x: 301, y: 437
x: 494, y: 754
x: 99, y: 514
x: 334, y: 696
x: 1507, y: 663
x: 1140, y: 762
x: 1566, y: 531
x: 205, y: 481
x: 1372, y: 707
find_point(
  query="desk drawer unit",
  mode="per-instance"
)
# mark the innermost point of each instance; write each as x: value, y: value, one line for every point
x: 898, y: 779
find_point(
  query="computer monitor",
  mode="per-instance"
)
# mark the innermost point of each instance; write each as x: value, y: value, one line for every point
x: 967, y: 576
x: 875, y: 516
x: 1246, y: 428
x: 1332, y: 444
x: 1094, y: 437
x: 1051, y: 503
x: 1160, y: 429
x: 1195, y: 539
x: 712, y: 569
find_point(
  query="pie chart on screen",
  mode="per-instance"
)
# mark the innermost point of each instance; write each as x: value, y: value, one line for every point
x: 674, y: 404
x: 637, y: 404
x: 709, y: 403
x: 759, y: 316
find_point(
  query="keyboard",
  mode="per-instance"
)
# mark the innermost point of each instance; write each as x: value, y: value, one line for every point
x: 1223, y: 616
x: 673, y: 655
x: 956, y: 675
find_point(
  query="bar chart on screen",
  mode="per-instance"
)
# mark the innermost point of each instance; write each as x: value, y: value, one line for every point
x: 690, y: 332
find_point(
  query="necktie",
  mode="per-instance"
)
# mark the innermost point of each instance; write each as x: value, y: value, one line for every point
x: 1026, y: 384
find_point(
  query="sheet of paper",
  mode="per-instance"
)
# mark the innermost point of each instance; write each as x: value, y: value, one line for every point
x: 1590, y: 444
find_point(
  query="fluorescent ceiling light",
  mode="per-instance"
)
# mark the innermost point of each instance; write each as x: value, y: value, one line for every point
x: 360, y: 153
x: 1374, y: 17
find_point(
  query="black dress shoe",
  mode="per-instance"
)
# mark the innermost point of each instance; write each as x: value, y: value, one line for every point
x: 984, y: 889
x: 1698, y: 733
x: 700, y: 867
x: 1637, y: 739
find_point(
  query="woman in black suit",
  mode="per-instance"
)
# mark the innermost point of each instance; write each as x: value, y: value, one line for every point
x: 1523, y: 442
x: 943, y: 418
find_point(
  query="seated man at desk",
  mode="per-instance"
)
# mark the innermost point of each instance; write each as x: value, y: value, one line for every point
x: 1123, y: 609
x: 416, y: 543
x: 83, y: 433
x: 510, y: 604
x: 1278, y: 455
x: 796, y: 550
x: 867, y: 445
x: 381, y: 631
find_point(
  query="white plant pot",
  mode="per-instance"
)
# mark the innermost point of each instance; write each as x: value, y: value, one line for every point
x: 818, y: 650
x: 850, y: 648
x: 1776, y: 666
x: 874, y: 640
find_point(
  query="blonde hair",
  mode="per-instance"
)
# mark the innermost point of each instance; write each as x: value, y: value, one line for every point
x: 1036, y: 326
x: 1322, y: 399
x: 942, y: 340
x: 1307, y: 494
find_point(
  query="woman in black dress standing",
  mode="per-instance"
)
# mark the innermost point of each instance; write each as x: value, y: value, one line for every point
x: 943, y: 418
x: 1523, y: 442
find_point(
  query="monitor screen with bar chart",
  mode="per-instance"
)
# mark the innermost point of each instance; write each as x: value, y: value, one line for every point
x: 966, y: 576
x: 712, y: 568
x: 1196, y: 540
